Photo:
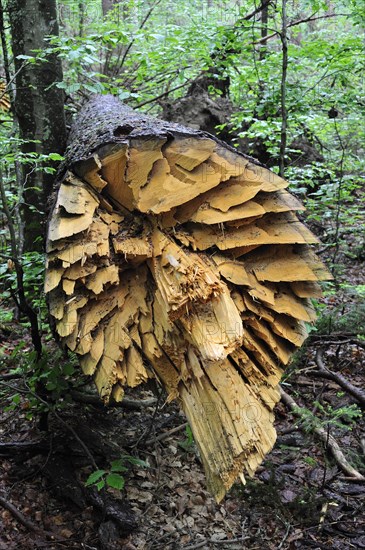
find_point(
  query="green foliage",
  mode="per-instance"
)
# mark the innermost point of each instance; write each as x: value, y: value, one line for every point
x: 53, y: 372
x: 189, y: 442
x: 113, y: 476
x: 328, y: 417
x: 348, y: 315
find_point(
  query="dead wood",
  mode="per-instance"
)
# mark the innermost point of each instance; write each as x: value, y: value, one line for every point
x: 17, y: 514
x: 127, y: 403
x: 324, y: 372
x: 327, y: 439
x: 172, y: 256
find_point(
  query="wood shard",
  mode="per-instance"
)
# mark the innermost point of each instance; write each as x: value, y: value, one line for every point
x: 171, y: 255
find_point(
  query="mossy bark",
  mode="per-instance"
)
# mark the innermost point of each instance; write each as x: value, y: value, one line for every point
x: 39, y: 106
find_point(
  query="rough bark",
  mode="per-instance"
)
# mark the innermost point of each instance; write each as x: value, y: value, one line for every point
x: 39, y: 106
x: 170, y: 255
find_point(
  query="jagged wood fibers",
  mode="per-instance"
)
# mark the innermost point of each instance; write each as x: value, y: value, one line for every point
x: 170, y: 255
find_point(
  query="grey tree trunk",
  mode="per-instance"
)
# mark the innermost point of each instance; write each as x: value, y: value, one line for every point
x: 39, y: 106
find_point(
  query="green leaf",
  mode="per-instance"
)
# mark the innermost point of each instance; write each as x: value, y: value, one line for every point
x: 100, y: 484
x: 115, y: 480
x: 68, y: 369
x: 118, y: 466
x: 94, y: 477
x: 136, y: 461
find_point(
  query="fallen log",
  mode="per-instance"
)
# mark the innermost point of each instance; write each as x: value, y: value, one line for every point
x: 170, y: 255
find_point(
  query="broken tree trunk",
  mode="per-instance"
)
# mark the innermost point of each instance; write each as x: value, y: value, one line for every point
x: 170, y: 255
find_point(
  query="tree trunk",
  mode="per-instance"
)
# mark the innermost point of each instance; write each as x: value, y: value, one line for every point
x: 108, y: 5
x: 170, y: 255
x: 284, y: 70
x: 39, y: 106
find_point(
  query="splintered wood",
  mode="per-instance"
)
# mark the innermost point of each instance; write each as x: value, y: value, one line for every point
x: 172, y: 256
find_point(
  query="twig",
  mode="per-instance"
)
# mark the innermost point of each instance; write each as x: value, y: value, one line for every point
x: 144, y: 21
x: 126, y: 403
x: 24, y: 305
x: 299, y: 22
x: 326, y: 438
x: 165, y: 435
x: 163, y: 94
x: 25, y: 522
x: 10, y: 376
x: 324, y: 372
x: 60, y: 419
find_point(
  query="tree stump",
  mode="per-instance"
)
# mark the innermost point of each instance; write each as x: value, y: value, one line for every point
x: 171, y: 255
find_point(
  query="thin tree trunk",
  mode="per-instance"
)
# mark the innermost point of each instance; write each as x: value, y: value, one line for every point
x: 81, y: 17
x: 5, y: 53
x: 284, y: 114
x: 264, y: 23
x: 39, y: 106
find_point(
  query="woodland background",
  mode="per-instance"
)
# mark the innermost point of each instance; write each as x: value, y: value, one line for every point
x: 282, y: 81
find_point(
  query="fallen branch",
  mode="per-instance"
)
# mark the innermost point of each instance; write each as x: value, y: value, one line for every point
x: 328, y: 440
x: 24, y: 447
x: 126, y: 403
x: 165, y: 435
x: 324, y: 372
x: 10, y: 376
x: 25, y: 522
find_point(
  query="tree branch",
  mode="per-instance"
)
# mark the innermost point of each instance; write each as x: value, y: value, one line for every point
x: 25, y: 307
x: 326, y: 438
x: 324, y: 372
x: 299, y: 22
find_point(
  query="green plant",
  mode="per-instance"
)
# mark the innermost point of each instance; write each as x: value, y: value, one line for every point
x: 52, y: 373
x: 113, y: 476
x: 189, y: 442
x: 343, y: 418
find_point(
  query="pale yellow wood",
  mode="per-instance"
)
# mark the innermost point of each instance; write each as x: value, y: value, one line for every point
x: 305, y: 289
x: 181, y: 277
x: 259, y: 291
x: 203, y: 327
x: 164, y: 191
x: 78, y: 271
x: 53, y: 278
x: 98, y: 233
x: 142, y: 156
x: 280, y: 229
x: 189, y: 152
x: 232, y: 270
x: 136, y: 372
x: 279, y: 264
x: 263, y: 331
x: 67, y: 324
x: 73, y: 197
x: 286, y: 302
x: 62, y: 225
x: 89, y: 171
x: 291, y: 329
x: 68, y: 286
x: 89, y: 361
x: 232, y: 193
x: 56, y: 300
x: 210, y: 216
x: 204, y: 286
x: 113, y: 171
x: 104, y: 276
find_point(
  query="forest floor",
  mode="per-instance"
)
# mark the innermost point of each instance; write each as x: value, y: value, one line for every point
x: 299, y: 498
